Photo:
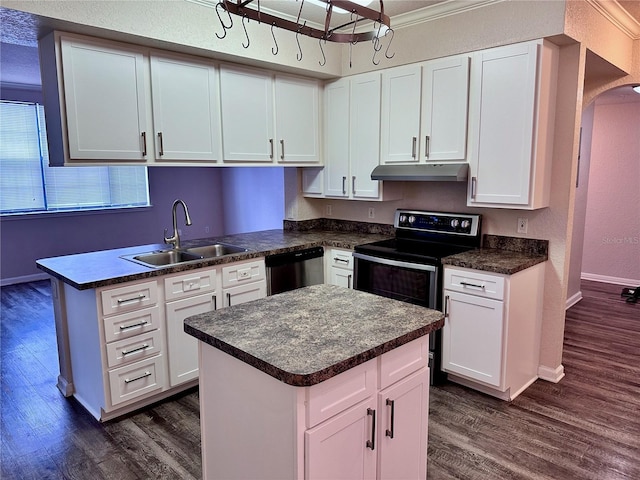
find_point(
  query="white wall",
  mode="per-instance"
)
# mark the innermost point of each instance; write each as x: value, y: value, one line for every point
x: 612, y: 226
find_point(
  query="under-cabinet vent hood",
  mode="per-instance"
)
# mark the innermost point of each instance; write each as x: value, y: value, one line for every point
x: 441, y: 172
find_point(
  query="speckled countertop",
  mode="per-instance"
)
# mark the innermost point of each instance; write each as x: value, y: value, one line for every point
x: 103, y: 268
x: 305, y: 336
x: 499, y: 254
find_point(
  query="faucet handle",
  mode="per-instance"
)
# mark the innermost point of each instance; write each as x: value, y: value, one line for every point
x: 170, y: 240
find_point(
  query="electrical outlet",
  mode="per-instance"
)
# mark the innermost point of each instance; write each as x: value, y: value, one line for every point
x: 329, y: 210
x: 523, y: 224
x: 207, y: 229
x: 372, y: 212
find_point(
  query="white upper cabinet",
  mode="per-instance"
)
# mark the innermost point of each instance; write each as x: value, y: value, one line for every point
x: 186, y: 108
x: 97, y: 100
x: 297, y: 119
x: 336, y: 134
x: 445, y: 94
x: 400, y: 126
x: 247, y: 115
x: 511, y: 125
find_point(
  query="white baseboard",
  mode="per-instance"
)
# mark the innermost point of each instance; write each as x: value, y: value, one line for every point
x: 629, y: 282
x: 24, y: 279
x: 551, y: 374
x: 573, y: 299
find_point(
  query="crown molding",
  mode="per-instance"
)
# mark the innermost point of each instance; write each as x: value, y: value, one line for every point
x: 439, y: 10
x: 618, y: 16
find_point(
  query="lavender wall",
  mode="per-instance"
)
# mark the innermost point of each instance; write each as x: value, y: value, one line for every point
x: 25, y: 239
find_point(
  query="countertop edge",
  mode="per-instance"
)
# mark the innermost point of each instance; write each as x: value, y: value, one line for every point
x: 489, y: 266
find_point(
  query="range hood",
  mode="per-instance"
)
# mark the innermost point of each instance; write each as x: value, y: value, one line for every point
x: 441, y: 172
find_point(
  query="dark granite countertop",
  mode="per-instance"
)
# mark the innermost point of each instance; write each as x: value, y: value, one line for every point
x: 103, y: 268
x: 506, y: 255
x: 305, y: 336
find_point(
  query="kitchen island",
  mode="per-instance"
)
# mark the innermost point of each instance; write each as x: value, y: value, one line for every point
x: 319, y: 382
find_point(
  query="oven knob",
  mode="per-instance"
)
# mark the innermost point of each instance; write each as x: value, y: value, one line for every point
x: 403, y: 218
x: 465, y: 224
x: 412, y: 219
x: 455, y: 222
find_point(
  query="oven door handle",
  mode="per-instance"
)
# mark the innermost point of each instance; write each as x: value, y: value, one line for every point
x: 395, y: 263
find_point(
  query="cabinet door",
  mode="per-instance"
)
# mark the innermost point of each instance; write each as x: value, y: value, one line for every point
x: 106, y: 93
x: 364, y: 129
x: 337, y: 138
x: 472, y: 337
x: 246, y: 99
x: 400, y: 119
x: 183, y: 348
x: 404, y: 411
x: 297, y: 118
x: 185, y: 109
x: 445, y: 93
x: 503, y: 94
x: 340, y: 448
x: 244, y: 293
x: 341, y: 277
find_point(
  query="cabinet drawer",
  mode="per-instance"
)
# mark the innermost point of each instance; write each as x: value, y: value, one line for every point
x: 135, y: 348
x: 137, y: 379
x: 188, y: 284
x: 243, y: 272
x: 474, y: 282
x: 404, y: 360
x: 332, y: 396
x: 340, y: 258
x: 132, y: 323
x: 129, y: 297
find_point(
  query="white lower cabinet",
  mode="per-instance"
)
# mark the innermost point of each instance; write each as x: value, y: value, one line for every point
x: 491, y: 335
x: 340, y: 267
x: 368, y: 422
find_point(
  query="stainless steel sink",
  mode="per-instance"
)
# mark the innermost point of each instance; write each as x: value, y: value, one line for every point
x: 216, y: 250
x: 167, y: 258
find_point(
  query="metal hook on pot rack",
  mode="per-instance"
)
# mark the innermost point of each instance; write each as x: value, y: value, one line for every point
x: 324, y: 58
x: 386, y: 52
x: 245, y: 32
x: 276, y: 49
x: 224, y: 27
x: 299, y: 55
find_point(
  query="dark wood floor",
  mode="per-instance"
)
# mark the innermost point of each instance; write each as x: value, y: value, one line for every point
x: 585, y: 427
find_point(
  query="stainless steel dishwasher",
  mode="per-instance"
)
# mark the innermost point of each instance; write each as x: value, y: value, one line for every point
x: 291, y: 270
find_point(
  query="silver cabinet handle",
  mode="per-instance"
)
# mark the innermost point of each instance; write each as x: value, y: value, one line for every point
x: 144, y: 375
x: 271, y: 148
x: 344, y: 185
x: 392, y: 404
x: 473, y: 187
x: 127, y: 327
x: 413, y: 147
x: 144, y: 143
x: 353, y: 185
x: 427, y: 145
x: 144, y: 346
x: 282, y: 149
x: 337, y: 259
x: 446, y: 306
x: 372, y: 442
x: 161, y: 152
x: 349, y: 281
x: 122, y: 301
x: 475, y: 285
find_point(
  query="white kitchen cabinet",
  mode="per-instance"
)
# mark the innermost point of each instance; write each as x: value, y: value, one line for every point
x: 340, y: 267
x: 491, y: 336
x: 297, y: 109
x: 97, y: 98
x: 246, y: 100
x: 333, y: 429
x: 512, y: 110
x: 445, y: 99
x: 400, y: 126
x: 243, y: 282
x: 352, y: 147
x: 186, y: 108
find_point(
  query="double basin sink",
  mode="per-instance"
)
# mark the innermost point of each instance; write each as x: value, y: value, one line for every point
x: 168, y: 258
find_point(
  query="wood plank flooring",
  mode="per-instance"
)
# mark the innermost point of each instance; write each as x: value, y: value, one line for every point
x: 585, y: 427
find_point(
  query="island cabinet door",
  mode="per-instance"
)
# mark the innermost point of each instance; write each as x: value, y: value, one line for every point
x: 402, y: 431
x: 343, y: 447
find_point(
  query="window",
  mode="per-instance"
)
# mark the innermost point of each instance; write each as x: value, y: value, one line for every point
x: 28, y: 184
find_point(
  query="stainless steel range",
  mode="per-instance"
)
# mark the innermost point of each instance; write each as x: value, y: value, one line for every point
x: 409, y: 266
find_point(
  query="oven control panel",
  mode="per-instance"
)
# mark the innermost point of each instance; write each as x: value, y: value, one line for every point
x: 438, y: 222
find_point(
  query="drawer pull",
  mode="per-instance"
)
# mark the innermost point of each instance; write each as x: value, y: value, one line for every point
x: 144, y: 346
x: 392, y: 404
x: 372, y: 442
x: 446, y: 306
x: 336, y: 259
x: 475, y: 285
x: 144, y: 375
x: 228, y: 299
x: 122, y: 301
x: 349, y: 281
x: 134, y: 325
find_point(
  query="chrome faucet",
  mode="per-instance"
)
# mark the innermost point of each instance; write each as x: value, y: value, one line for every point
x: 175, y: 238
